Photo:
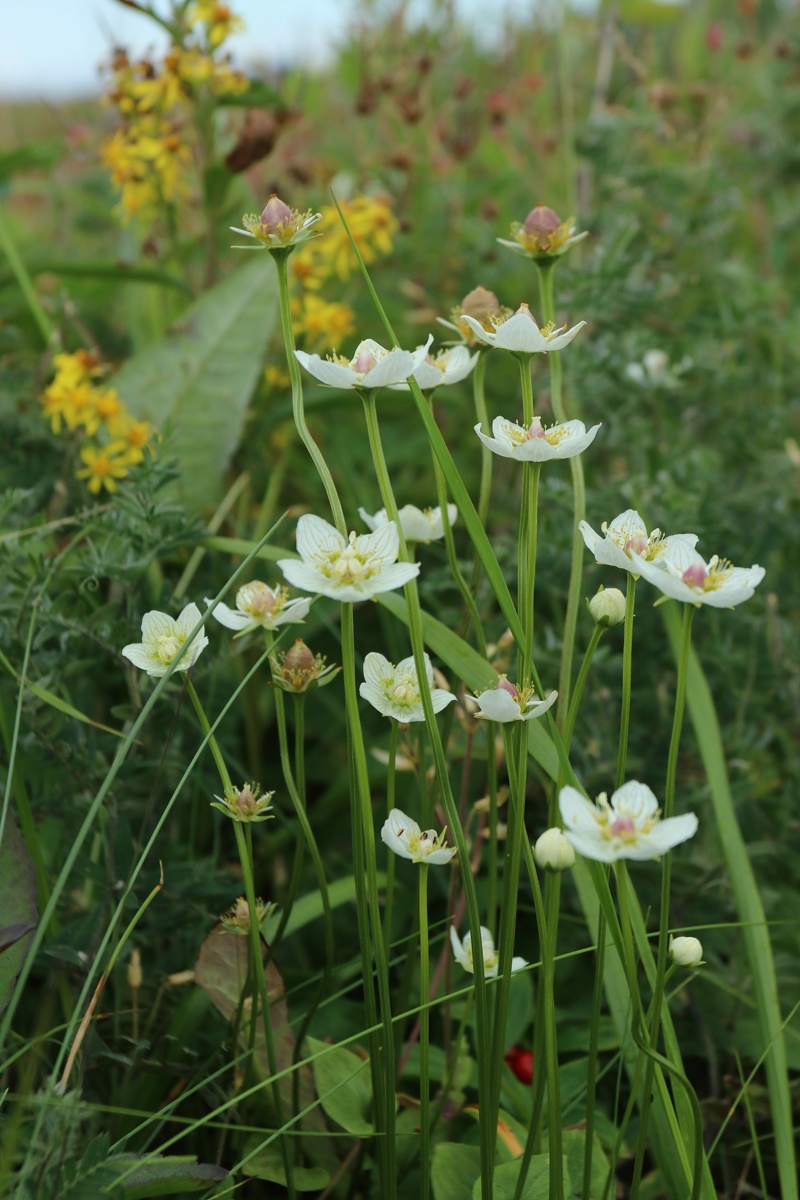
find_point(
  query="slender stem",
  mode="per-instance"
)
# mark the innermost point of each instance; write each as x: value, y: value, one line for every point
x: 24, y: 280
x: 281, y: 259
x: 594, y: 1039
x: 487, y: 459
x: 666, y: 876
x: 580, y: 683
x: 364, y: 802
x: 391, y: 774
x: 545, y: 272
x: 627, y: 658
x: 245, y: 858
x: 491, y: 857
x: 424, y: 1036
x: 487, y: 1130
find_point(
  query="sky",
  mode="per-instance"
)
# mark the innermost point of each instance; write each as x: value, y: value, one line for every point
x: 51, y: 49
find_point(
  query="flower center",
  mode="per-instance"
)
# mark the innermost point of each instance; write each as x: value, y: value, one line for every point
x: 405, y: 692
x: 167, y: 646
x: 364, y: 361
x: 348, y: 567
x: 258, y: 600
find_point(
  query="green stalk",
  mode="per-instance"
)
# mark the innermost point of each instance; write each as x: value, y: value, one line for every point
x: 545, y: 273
x: 245, y: 858
x: 627, y: 659
x: 281, y: 259
x: 363, y: 800
x: 487, y: 1132
x: 424, y: 1036
x: 580, y: 683
x: 485, y: 492
x: 391, y: 774
x: 24, y: 280
x: 666, y: 878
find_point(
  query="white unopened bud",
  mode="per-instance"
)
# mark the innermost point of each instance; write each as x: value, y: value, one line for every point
x: 686, y: 951
x: 553, y: 852
x: 608, y: 606
x: 135, y: 970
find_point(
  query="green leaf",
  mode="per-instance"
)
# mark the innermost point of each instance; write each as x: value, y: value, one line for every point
x: 56, y: 702
x: 32, y: 157
x: 574, y: 1142
x: 350, y: 1104
x: 455, y: 1170
x: 165, y: 1176
x: 118, y: 272
x: 475, y: 672
x: 17, y: 904
x: 309, y: 908
x: 268, y: 1164
x: 537, y: 1180
x: 754, y: 930
x: 200, y: 378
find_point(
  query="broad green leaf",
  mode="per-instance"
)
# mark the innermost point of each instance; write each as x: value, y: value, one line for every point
x: 454, y: 1171
x: 475, y: 672
x: 165, y: 1176
x: 199, y: 379
x: 350, y: 1104
x: 268, y: 1164
x: 309, y: 908
x: 17, y: 904
x: 754, y: 930
x: 537, y: 1180
x: 574, y: 1142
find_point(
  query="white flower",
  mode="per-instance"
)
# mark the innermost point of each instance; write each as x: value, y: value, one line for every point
x: 506, y: 702
x: 686, y: 951
x: 537, y: 444
x: 543, y: 234
x: 258, y: 605
x: 682, y: 574
x: 553, y: 852
x: 417, y: 524
x: 405, y: 837
x: 627, y: 544
x: 163, y: 637
x: 346, y: 570
x: 372, y: 365
x: 654, y: 370
x: 394, y: 690
x: 462, y: 951
x: 448, y: 366
x: 520, y: 333
x: 627, y: 826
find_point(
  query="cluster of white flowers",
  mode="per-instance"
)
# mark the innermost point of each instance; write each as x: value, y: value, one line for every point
x: 671, y: 563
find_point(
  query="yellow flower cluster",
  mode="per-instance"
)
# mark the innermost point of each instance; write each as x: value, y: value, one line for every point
x: 76, y: 400
x: 151, y: 155
x: 373, y: 224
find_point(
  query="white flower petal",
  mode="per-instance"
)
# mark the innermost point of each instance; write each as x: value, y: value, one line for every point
x: 496, y: 704
x: 140, y: 658
x: 332, y: 373
x: 231, y: 618
x: 634, y: 798
x: 317, y: 538
x: 395, y: 576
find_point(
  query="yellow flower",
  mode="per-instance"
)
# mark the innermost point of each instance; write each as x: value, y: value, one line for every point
x: 276, y: 378
x: 78, y: 408
x: 107, y: 405
x: 132, y: 438
x: 373, y: 226
x: 324, y: 323
x: 220, y: 21
x: 103, y: 467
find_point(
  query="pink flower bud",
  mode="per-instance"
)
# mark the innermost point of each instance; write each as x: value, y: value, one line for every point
x: 536, y: 430
x: 541, y: 220
x: 505, y: 685
x: 622, y: 825
x: 636, y: 545
x: 275, y: 214
x: 363, y: 362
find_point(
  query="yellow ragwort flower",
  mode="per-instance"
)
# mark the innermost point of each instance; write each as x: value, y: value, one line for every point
x: 373, y: 226
x: 324, y: 323
x: 103, y: 467
x: 219, y: 19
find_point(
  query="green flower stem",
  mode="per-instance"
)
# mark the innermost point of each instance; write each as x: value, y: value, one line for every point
x: 516, y: 743
x: 545, y: 273
x: 594, y: 1038
x: 488, y: 1135
x: 363, y: 800
x: 391, y: 775
x: 471, y: 608
x: 281, y: 259
x: 546, y: 909
x: 299, y: 744
x: 424, y: 1036
x: 627, y: 658
x: 485, y: 492
x: 491, y: 855
x: 580, y: 683
x: 245, y: 858
x: 666, y: 877
x: 20, y: 271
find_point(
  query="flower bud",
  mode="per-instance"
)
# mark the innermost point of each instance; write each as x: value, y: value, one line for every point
x: 299, y: 668
x: 686, y: 951
x: 237, y: 918
x: 275, y: 214
x: 541, y: 220
x: 135, y: 970
x: 245, y: 803
x: 553, y: 852
x: 482, y: 305
x: 607, y: 607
